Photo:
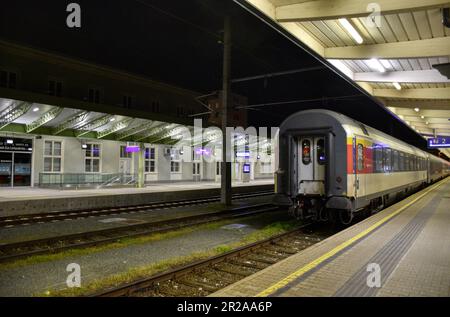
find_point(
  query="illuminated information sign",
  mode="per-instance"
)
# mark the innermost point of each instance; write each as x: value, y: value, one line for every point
x: 439, y: 142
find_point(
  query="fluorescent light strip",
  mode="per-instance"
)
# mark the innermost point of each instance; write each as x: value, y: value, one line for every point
x: 350, y: 29
x: 397, y: 86
x: 375, y: 63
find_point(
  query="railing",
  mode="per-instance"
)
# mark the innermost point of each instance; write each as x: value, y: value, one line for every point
x: 77, y: 180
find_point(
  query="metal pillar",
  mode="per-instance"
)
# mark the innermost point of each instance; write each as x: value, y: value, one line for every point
x: 141, y: 163
x: 226, y: 98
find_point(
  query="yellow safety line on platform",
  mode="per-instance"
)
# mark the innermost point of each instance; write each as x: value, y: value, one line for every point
x: 272, y: 289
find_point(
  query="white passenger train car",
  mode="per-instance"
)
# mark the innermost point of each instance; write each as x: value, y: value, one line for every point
x: 331, y: 166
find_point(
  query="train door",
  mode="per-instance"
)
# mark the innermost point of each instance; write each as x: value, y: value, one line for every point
x: 359, y: 166
x: 312, y: 169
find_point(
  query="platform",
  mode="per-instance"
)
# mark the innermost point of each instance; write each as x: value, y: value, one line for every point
x: 408, y: 244
x: 22, y: 201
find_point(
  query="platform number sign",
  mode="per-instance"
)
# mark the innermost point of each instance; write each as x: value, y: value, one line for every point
x: 439, y: 142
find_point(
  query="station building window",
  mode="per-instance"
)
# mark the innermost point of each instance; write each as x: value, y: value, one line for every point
x: 92, y: 158
x: 127, y: 101
x: 8, y: 79
x: 155, y: 107
x: 175, y: 167
x: 52, y: 156
x: 124, y: 153
x: 55, y: 88
x: 94, y: 95
x: 150, y: 160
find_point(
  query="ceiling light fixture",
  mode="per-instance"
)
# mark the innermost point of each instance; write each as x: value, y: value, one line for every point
x: 375, y: 64
x: 35, y: 109
x: 112, y: 119
x: 422, y: 117
x: 350, y: 29
x: 397, y: 86
x: 416, y: 109
x: 385, y: 63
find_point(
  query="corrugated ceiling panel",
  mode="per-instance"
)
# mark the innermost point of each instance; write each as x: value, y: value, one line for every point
x: 374, y: 32
x: 397, y: 26
x: 422, y: 24
x: 409, y: 26
x: 319, y: 35
x: 435, y: 19
x: 322, y: 27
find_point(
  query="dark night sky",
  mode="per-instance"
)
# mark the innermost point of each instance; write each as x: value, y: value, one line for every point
x: 178, y: 42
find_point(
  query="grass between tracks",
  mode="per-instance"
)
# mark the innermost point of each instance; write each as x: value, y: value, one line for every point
x: 134, y: 274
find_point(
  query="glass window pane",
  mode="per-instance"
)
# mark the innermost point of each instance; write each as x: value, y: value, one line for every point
x: 321, y: 152
x: 96, y: 166
x: 47, y: 164
x: 147, y: 166
x: 306, y: 152
x: 96, y: 150
x: 360, y: 157
x: 57, y: 164
x: 88, y: 165
x: 152, y: 166
x: 152, y: 153
x: 48, y: 148
x: 57, y: 148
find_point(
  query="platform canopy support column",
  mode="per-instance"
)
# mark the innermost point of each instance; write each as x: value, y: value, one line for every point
x: 141, y: 168
x: 226, y: 97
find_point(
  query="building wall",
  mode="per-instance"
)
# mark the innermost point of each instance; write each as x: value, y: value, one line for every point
x: 34, y: 69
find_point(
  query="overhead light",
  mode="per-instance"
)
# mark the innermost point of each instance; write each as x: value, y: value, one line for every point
x: 35, y: 109
x: 112, y: 119
x: 10, y: 141
x: 422, y: 117
x: 416, y: 109
x: 427, y: 123
x: 397, y: 86
x: 375, y: 63
x: 350, y: 29
x: 342, y: 67
x: 385, y: 63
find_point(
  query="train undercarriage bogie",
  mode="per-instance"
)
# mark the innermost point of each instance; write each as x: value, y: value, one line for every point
x: 314, y: 208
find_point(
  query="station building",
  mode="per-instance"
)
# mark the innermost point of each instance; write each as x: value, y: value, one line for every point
x: 67, y: 123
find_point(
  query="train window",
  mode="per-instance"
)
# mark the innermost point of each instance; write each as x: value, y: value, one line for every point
x: 306, y: 152
x: 360, y: 156
x: 378, y: 158
x: 387, y: 155
x: 395, y: 165
x: 321, y: 158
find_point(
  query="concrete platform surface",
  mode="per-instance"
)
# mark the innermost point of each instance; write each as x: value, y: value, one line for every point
x: 25, y: 201
x: 402, y: 251
x: 27, y: 193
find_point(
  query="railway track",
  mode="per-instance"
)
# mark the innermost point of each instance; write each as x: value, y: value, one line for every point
x: 17, y: 250
x: 205, y: 277
x: 12, y: 221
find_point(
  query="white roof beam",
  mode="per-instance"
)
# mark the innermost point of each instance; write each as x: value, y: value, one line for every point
x: 436, y: 47
x: 266, y: 7
x: 327, y: 10
x: 413, y: 76
x: 418, y: 93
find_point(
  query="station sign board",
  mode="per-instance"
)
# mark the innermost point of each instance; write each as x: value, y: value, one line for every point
x: 439, y: 142
x: 16, y: 144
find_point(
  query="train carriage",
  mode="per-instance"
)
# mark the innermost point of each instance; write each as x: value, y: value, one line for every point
x: 331, y: 166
